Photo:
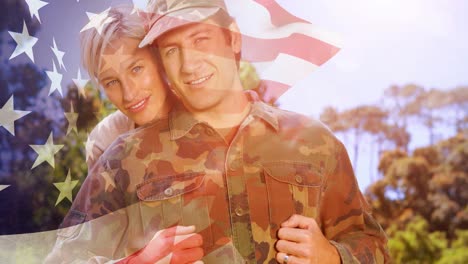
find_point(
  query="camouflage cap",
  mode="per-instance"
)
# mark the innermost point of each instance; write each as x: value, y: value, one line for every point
x: 171, y: 14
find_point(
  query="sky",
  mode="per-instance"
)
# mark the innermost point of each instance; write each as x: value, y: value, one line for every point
x: 384, y: 42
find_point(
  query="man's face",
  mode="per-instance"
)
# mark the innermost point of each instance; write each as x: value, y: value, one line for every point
x: 130, y: 78
x: 199, y: 60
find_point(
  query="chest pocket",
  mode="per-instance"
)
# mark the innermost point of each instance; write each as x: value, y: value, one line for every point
x: 175, y: 200
x: 293, y: 188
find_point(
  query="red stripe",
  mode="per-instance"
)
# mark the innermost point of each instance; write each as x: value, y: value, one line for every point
x: 298, y: 45
x: 279, y: 15
x: 270, y: 90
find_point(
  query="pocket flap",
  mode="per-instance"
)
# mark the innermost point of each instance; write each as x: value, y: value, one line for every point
x: 296, y: 173
x: 163, y: 188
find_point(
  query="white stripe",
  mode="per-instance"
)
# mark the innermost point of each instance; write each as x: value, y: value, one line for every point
x: 254, y: 20
x: 26, y: 248
x: 285, y: 69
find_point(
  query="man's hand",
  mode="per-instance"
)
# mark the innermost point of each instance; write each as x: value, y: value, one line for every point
x: 175, y: 245
x: 303, y: 242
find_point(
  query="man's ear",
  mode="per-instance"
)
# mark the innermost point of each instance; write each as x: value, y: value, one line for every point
x: 236, y: 39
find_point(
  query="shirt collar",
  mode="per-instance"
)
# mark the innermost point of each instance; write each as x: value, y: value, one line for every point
x: 181, y: 121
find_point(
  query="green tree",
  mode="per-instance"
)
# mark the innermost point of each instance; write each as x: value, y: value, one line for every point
x: 415, y: 243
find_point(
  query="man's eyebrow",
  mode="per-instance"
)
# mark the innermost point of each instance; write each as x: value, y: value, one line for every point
x: 168, y: 43
x: 200, y: 31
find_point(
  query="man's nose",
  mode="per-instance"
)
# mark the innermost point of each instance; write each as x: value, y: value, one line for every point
x: 191, y: 60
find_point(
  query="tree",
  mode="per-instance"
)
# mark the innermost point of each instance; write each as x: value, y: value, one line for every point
x: 415, y: 244
x: 421, y: 200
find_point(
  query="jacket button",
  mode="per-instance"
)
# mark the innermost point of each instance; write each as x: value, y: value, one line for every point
x: 239, y: 211
x: 169, y: 191
x: 299, y: 179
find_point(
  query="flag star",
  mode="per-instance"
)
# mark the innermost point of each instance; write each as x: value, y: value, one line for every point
x: 3, y: 187
x: 80, y: 83
x: 8, y: 116
x: 89, y: 149
x: 139, y: 5
x: 98, y: 21
x: 72, y: 117
x: 46, y: 152
x: 114, y: 60
x: 66, y: 188
x: 24, y: 43
x: 56, y: 79
x: 58, y: 54
x: 109, y: 178
x: 34, y: 6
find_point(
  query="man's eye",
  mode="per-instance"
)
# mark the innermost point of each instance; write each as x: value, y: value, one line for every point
x: 171, y: 51
x: 200, y: 40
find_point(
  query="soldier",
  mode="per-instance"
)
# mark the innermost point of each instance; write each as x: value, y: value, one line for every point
x: 259, y: 184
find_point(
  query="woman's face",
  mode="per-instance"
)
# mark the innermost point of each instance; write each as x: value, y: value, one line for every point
x: 130, y: 78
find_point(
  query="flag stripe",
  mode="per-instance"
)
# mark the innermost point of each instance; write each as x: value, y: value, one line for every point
x: 279, y: 16
x: 283, y: 48
x: 298, y: 45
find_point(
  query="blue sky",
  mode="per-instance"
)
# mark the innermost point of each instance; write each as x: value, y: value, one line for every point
x: 385, y: 42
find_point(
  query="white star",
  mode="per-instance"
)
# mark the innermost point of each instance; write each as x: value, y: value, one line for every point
x: 8, y: 116
x: 3, y: 187
x: 80, y: 83
x: 58, y: 54
x: 89, y: 149
x: 98, y: 21
x: 66, y: 188
x: 34, y: 6
x: 24, y: 43
x: 139, y: 5
x: 108, y: 178
x: 114, y: 60
x: 72, y: 117
x: 46, y: 152
x: 56, y: 79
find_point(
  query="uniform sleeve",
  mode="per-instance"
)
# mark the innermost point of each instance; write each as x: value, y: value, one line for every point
x: 93, y: 231
x: 346, y: 216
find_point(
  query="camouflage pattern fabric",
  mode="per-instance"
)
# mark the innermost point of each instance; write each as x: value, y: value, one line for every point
x: 179, y: 171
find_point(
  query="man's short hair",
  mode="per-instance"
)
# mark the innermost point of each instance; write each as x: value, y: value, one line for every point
x: 224, y: 20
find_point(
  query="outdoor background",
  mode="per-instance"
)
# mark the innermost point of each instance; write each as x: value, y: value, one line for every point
x: 396, y: 94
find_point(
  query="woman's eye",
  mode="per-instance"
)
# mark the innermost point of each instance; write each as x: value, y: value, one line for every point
x: 137, y: 69
x: 111, y: 83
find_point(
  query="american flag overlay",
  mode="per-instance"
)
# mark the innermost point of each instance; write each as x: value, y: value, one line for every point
x: 48, y: 105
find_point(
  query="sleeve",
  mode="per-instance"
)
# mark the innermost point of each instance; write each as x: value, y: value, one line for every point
x: 346, y: 216
x: 106, y: 132
x: 93, y: 231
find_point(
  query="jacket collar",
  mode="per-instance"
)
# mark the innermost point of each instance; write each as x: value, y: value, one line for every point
x: 181, y: 121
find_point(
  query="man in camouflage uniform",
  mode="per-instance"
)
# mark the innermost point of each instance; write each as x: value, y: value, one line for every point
x: 259, y: 184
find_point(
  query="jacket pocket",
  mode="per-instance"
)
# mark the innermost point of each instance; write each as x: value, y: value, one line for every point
x: 293, y: 188
x: 175, y: 200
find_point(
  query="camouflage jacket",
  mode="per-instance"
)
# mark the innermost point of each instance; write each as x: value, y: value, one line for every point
x: 181, y: 171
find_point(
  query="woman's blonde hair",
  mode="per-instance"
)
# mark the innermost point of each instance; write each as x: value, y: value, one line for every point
x: 124, y: 22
